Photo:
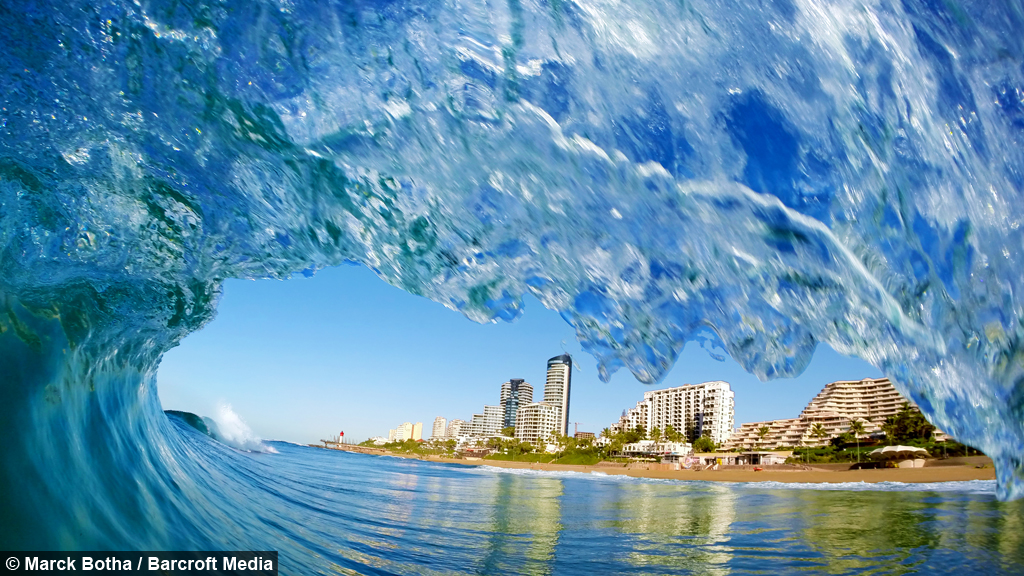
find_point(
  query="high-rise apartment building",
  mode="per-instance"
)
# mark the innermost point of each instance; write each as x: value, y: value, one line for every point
x: 535, y: 422
x: 694, y: 410
x: 437, y: 433
x: 514, y: 393
x: 557, y: 388
x: 407, y: 431
x: 486, y: 424
x: 455, y: 428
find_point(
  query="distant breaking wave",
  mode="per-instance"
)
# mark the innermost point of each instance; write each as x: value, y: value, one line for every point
x: 227, y: 427
x: 779, y: 174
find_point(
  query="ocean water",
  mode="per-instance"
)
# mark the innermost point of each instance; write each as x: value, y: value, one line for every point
x: 338, y: 513
x: 763, y: 175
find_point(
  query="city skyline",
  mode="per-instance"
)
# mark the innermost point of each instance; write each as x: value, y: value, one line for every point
x: 306, y: 357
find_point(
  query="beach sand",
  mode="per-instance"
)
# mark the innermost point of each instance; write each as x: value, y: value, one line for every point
x: 946, y: 473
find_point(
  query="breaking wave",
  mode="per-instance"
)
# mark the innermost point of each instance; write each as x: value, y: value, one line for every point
x: 777, y: 174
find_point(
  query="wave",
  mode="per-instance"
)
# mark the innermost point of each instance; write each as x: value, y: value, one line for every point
x: 227, y: 427
x: 847, y: 172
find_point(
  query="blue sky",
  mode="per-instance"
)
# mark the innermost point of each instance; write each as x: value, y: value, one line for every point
x: 305, y: 358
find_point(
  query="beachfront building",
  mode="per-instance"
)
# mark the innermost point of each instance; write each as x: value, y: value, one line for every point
x: 455, y: 428
x: 514, y: 393
x: 651, y: 449
x: 557, y: 388
x: 438, y: 431
x: 838, y: 405
x: 407, y: 431
x: 695, y: 410
x: 486, y: 424
x: 535, y: 422
x: 585, y: 436
x: 631, y: 418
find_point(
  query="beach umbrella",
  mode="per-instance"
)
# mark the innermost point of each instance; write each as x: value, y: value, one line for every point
x: 898, y: 453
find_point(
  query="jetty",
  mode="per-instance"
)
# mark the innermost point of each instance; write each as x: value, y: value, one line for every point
x: 335, y: 445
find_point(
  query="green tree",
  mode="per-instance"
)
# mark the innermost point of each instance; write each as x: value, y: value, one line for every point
x: 907, y: 424
x: 762, y: 433
x: 606, y: 433
x: 857, y: 429
x: 704, y: 444
x: 672, y: 434
x: 819, y: 431
x: 655, y: 434
x: 641, y: 432
x: 509, y: 431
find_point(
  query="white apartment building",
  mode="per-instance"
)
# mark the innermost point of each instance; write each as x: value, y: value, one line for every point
x: 536, y: 421
x: 630, y: 419
x: 695, y: 410
x: 557, y: 388
x: 439, y: 429
x: 486, y: 424
x: 869, y: 401
x: 455, y: 428
x: 407, y: 431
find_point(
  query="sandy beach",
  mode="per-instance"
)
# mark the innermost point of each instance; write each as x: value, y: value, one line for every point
x: 961, y: 470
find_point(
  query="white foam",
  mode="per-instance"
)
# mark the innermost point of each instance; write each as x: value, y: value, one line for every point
x: 987, y: 487
x: 230, y: 429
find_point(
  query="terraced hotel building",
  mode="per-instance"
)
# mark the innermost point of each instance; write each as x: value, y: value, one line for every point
x: 870, y: 401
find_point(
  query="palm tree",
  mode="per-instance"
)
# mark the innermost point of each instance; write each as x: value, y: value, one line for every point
x: 819, y: 432
x: 655, y: 433
x: 761, y: 433
x: 857, y: 428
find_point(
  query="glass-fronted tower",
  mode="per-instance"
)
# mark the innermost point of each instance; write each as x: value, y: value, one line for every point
x: 514, y: 393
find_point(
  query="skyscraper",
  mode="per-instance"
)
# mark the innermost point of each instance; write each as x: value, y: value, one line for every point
x: 514, y: 393
x: 556, y: 389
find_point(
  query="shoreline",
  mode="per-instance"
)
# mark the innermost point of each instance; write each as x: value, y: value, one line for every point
x: 928, y: 474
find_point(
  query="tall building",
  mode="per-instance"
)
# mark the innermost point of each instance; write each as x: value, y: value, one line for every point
x: 407, y: 431
x: 695, y: 410
x: 403, y: 432
x: 439, y: 428
x: 514, y: 393
x: 486, y: 424
x: 535, y: 422
x: 557, y: 387
x: 870, y: 401
x: 455, y: 428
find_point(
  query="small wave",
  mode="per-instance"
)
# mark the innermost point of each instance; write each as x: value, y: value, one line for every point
x: 967, y: 486
x: 986, y: 487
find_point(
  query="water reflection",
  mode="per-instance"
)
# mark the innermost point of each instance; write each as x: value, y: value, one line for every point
x: 420, y: 518
x: 525, y: 523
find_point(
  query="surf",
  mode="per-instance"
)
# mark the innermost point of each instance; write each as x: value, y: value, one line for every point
x: 780, y: 176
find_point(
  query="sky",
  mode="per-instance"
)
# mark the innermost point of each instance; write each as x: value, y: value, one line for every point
x: 305, y: 358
